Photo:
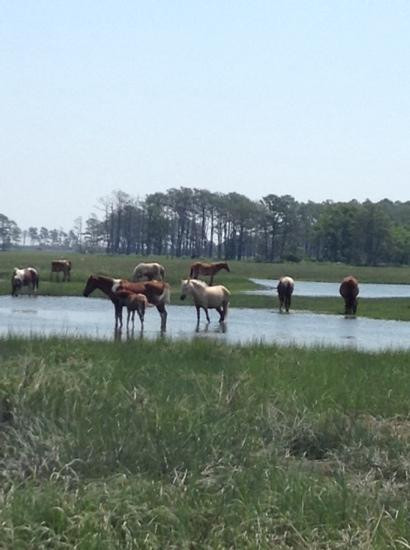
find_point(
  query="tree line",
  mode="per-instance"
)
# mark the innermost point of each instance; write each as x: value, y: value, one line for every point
x: 200, y: 223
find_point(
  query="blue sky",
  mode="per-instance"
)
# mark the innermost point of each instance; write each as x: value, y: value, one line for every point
x: 308, y: 98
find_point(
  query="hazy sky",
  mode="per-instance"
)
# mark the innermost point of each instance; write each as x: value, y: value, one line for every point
x: 309, y: 98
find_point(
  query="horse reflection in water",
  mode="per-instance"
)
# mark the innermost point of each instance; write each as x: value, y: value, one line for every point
x: 221, y: 328
x: 206, y: 297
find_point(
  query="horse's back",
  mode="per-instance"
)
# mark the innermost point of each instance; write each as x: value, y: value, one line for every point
x: 349, y: 287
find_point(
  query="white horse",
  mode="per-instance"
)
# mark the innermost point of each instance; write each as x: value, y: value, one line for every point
x: 206, y: 297
x: 149, y: 272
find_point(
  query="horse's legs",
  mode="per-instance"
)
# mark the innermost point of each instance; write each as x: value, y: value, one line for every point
x: 211, y: 280
x: 163, y: 314
x: 198, y: 313
x: 206, y: 313
x: 221, y: 313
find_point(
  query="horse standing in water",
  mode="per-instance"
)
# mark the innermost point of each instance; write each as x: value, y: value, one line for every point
x: 349, y: 290
x: 149, y: 272
x: 134, y: 303
x: 156, y: 292
x: 206, y: 297
x: 24, y: 277
x: 200, y: 268
x: 285, y: 289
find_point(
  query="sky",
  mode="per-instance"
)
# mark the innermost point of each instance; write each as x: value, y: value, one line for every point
x: 307, y: 98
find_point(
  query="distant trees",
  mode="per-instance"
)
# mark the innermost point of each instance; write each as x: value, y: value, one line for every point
x: 197, y: 222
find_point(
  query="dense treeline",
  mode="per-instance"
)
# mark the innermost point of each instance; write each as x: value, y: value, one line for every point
x: 198, y: 222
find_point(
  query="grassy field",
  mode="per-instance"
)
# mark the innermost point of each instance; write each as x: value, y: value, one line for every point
x: 199, y: 445
x: 236, y: 281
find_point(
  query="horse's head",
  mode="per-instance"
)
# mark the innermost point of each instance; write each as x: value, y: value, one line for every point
x: 226, y: 266
x: 89, y: 286
x: 185, y: 288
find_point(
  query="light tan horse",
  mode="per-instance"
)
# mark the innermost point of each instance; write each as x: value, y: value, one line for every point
x: 206, y: 297
x: 149, y: 272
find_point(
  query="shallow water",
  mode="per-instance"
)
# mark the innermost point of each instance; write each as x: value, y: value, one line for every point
x: 94, y: 317
x: 317, y: 289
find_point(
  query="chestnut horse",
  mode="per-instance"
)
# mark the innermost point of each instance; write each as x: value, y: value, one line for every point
x: 134, y: 303
x: 156, y: 292
x: 285, y: 289
x: 200, y: 268
x: 204, y: 296
x: 24, y: 277
x: 349, y: 290
x: 61, y: 266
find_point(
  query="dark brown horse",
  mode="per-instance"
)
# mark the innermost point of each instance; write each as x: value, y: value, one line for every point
x: 200, y: 268
x: 156, y: 292
x: 349, y: 290
x: 24, y: 277
x: 285, y: 289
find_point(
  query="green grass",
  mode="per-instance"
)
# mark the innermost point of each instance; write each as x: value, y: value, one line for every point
x: 200, y: 445
x: 236, y: 281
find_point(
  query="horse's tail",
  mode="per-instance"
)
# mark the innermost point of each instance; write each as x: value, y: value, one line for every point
x: 162, y: 272
x: 191, y: 272
x: 165, y: 297
x: 36, y: 281
x: 225, y: 306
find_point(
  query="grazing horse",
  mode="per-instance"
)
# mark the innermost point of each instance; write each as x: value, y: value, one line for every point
x: 157, y: 293
x: 134, y: 303
x: 149, y: 272
x: 206, y: 297
x: 199, y: 268
x: 349, y: 290
x: 24, y: 277
x: 285, y: 288
x: 61, y: 266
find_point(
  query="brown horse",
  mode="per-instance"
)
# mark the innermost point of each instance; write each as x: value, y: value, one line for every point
x: 285, y: 289
x: 61, y: 266
x: 24, y: 277
x: 134, y: 303
x: 349, y: 290
x: 200, y: 268
x: 156, y: 292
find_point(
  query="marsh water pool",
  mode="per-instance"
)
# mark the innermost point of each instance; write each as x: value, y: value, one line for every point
x: 94, y: 318
x: 319, y: 289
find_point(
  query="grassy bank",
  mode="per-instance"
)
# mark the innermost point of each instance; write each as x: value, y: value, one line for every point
x: 159, y: 444
x: 236, y: 281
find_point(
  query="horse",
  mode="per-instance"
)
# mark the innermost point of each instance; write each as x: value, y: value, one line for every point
x: 285, y: 289
x: 27, y: 276
x: 134, y: 303
x: 200, y: 268
x: 156, y: 292
x: 349, y: 290
x: 58, y: 266
x: 151, y: 272
x: 206, y: 297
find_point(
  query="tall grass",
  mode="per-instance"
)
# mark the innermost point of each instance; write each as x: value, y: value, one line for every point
x: 185, y: 445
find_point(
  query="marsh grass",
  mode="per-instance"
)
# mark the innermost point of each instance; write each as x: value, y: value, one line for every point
x: 200, y: 445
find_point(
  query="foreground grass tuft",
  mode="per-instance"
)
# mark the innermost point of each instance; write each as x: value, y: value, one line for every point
x: 174, y: 444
